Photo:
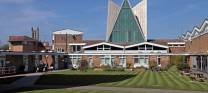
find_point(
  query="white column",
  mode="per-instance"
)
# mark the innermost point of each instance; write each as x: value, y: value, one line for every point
x: 111, y: 61
x: 26, y: 63
x: 56, y: 62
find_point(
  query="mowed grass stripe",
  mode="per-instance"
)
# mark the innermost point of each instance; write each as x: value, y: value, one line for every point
x: 184, y: 78
x: 124, y: 82
x: 118, y: 82
x: 183, y: 81
x: 200, y: 85
x: 154, y: 78
x: 194, y: 85
x: 205, y: 83
x: 175, y: 81
x: 169, y: 82
x: 161, y: 82
x: 144, y: 79
x: 134, y: 80
x: 151, y: 81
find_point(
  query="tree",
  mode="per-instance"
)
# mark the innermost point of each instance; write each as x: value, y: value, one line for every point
x: 4, y: 47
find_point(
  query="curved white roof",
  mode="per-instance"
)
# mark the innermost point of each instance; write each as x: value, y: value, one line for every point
x: 68, y: 31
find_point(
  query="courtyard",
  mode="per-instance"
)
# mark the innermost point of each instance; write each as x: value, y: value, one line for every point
x: 93, y: 81
x: 170, y: 79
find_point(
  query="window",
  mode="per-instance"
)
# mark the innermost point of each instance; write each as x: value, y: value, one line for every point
x: 198, y: 62
x: 75, y: 60
x: 100, y: 47
x: 90, y: 60
x: 106, y: 47
x: 141, y: 47
x: 136, y: 61
x: 141, y: 60
x: 149, y: 47
x: 62, y: 50
x: 78, y: 48
x: 1, y: 63
x: 206, y: 29
x: 106, y: 60
x: 158, y: 60
x: 75, y: 48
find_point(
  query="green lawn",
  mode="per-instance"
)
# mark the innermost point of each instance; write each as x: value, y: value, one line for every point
x: 170, y: 79
x: 33, y: 90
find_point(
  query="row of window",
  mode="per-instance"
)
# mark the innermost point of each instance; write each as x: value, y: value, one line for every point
x: 74, y: 48
x: 142, y: 47
x: 110, y: 60
x: 173, y: 45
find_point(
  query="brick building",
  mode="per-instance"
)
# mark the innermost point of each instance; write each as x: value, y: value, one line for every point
x: 197, y: 47
x: 24, y: 44
x: 67, y: 41
x: 126, y: 42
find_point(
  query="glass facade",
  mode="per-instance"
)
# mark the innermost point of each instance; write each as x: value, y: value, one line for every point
x: 127, y: 28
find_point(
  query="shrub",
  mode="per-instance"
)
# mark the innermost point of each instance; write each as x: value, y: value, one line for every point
x: 115, y: 69
x: 84, y: 66
x: 153, y: 65
x: 109, y: 68
x: 177, y: 59
x: 128, y: 65
x: 183, y: 66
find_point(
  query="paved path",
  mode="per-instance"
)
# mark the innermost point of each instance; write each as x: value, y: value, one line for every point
x: 26, y: 81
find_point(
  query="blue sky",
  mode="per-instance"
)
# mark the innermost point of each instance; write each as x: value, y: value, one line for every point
x: 166, y: 18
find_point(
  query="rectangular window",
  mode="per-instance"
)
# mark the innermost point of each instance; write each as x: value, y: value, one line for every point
x: 158, y: 60
x: 100, y: 47
x: 78, y: 48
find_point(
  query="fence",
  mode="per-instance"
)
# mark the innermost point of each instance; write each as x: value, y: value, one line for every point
x: 7, y: 70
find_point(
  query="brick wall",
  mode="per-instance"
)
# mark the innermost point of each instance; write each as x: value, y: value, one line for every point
x: 60, y: 41
x: 130, y: 60
x: 117, y: 60
x: 177, y: 49
x: 198, y: 45
x: 97, y: 61
x: 164, y: 60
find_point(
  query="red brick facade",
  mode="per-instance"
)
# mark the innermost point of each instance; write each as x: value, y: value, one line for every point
x: 198, y: 45
x: 177, y: 49
x: 61, y: 41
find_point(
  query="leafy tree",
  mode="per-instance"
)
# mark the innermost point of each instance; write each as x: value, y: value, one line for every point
x: 4, y: 47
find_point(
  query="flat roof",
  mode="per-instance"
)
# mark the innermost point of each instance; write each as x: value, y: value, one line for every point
x: 68, y: 31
